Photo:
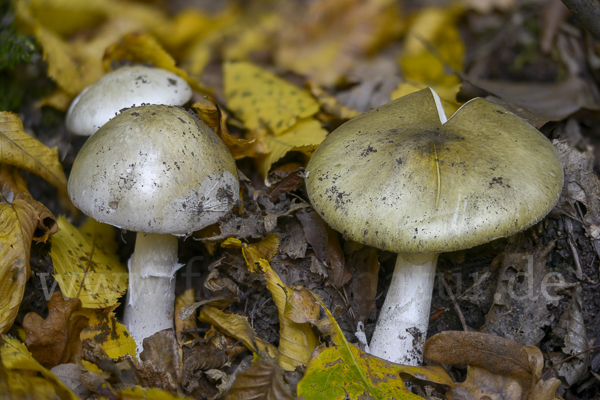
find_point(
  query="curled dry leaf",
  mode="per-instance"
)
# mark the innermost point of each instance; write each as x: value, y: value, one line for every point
x: 55, y: 340
x: 497, y: 366
x: 296, y: 341
x: 20, y: 215
x: 21, y: 371
x: 187, y: 321
x: 301, y: 306
x: 212, y: 115
x: 262, y: 381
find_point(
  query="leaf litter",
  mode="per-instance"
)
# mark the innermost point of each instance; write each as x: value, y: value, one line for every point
x: 306, y: 69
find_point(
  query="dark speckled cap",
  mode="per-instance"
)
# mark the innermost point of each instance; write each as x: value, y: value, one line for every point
x: 154, y: 169
x: 403, y: 179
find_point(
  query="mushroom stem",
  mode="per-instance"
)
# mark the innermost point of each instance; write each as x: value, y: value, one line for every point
x: 151, y: 294
x: 402, y: 325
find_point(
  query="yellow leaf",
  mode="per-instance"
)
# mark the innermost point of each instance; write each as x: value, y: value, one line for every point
x: 262, y: 250
x: 17, y: 360
x: 447, y: 94
x: 296, y: 341
x: 256, y: 34
x: 432, y: 40
x: 236, y: 326
x: 183, y: 300
x: 344, y: 371
x: 263, y: 100
x: 83, y: 268
x: 212, y: 115
x: 108, y: 333
x: 305, y: 136
x: 66, y: 17
x: 141, y: 48
x: 20, y: 215
x: 21, y: 150
x: 332, y: 35
x: 138, y: 393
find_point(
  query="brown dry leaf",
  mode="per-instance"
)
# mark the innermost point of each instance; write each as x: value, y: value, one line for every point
x: 262, y: 381
x: 326, y: 245
x: 528, y: 288
x: 162, y: 351
x: 23, y: 151
x: 328, y: 36
x: 498, y: 367
x: 296, y: 341
x: 141, y: 48
x: 55, y: 340
x: 301, y: 307
x: 212, y: 115
x: 20, y: 215
x: 253, y: 253
x: 362, y: 289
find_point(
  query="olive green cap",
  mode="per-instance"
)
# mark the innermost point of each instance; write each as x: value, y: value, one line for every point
x: 155, y: 169
x: 400, y: 179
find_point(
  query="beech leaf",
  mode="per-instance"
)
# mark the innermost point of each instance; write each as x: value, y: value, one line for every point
x: 55, y: 340
x: 23, y: 151
x: 108, y: 333
x: 86, y: 267
x: 262, y: 381
x: 344, y: 371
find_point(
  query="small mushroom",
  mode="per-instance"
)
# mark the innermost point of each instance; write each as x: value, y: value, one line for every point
x: 159, y: 171
x: 121, y: 88
x: 404, y: 178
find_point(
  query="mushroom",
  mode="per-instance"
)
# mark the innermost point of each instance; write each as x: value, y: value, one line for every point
x: 121, y: 88
x: 159, y: 171
x: 404, y: 178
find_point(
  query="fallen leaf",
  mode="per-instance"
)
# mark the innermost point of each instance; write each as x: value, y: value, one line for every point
x: 142, y: 48
x: 19, y: 149
x: 108, y: 333
x: 331, y: 105
x: 55, y: 340
x: 237, y: 326
x: 301, y: 307
x: 431, y: 44
x: 253, y: 253
x: 304, y: 137
x: 213, y: 116
x: 296, y: 341
x: 344, y: 371
x: 326, y: 245
x: 138, y: 393
x: 262, y: 381
x: 362, y: 288
x: 23, y: 369
x: 188, y: 321
x: 20, y: 215
x: 86, y: 269
x: 326, y: 38
x: 264, y: 100
x: 162, y: 351
x: 572, y: 330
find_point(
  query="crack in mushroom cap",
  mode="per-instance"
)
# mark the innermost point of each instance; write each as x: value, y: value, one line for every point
x: 399, y: 179
x: 155, y: 169
x: 121, y: 88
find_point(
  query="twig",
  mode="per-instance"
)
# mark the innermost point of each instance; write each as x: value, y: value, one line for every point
x: 567, y: 359
x: 588, y: 14
x: 456, y: 306
x: 571, y: 241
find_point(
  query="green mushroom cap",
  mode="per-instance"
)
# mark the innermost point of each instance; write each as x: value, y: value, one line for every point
x: 401, y: 178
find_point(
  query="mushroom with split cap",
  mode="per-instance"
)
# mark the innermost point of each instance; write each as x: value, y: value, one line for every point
x: 404, y: 178
x: 124, y: 87
x: 160, y: 171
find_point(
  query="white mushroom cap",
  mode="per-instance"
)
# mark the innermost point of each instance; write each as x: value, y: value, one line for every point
x: 402, y: 178
x: 122, y: 88
x: 154, y: 169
